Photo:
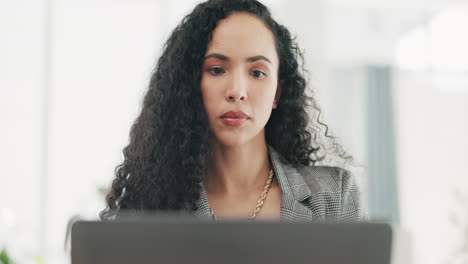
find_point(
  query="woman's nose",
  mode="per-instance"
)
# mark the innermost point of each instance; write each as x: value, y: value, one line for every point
x: 236, y: 98
x: 237, y: 88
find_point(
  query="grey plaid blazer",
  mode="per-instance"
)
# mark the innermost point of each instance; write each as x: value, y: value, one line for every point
x: 309, y: 193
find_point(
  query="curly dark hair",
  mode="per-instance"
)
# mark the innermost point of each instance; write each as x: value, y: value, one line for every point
x: 168, y: 154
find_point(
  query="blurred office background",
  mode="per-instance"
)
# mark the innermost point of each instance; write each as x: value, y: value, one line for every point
x: 391, y: 77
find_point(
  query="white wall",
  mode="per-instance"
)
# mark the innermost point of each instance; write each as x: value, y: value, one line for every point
x: 103, y: 53
x: 22, y: 60
x: 433, y: 163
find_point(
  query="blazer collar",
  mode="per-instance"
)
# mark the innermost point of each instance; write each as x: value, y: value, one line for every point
x: 294, y: 192
x: 289, y: 178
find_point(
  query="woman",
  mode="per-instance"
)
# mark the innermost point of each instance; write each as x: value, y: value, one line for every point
x: 224, y: 130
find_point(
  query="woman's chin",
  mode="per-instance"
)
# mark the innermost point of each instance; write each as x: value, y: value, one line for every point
x: 229, y: 139
x: 232, y: 140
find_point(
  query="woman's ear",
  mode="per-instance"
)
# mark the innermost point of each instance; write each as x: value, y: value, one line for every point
x: 277, y: 95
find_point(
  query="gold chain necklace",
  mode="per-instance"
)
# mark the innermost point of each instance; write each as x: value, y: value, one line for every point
x: 259, y: 202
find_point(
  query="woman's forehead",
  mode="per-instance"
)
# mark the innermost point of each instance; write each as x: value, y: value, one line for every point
x: 242, y: 35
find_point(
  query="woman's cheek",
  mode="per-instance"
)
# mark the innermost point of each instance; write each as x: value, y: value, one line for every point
x: 209, y: 98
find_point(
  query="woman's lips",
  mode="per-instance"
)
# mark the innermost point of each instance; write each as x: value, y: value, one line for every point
x: 233, y: 121
x: 235, y: 114
x: 234, y: 118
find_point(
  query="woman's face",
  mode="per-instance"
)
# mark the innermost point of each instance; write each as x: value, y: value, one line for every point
x: 240, y: 73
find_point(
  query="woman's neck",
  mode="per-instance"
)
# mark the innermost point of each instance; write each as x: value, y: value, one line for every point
x: 238, y: 170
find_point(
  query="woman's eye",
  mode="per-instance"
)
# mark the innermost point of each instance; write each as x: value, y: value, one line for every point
x: 258, y: 74
x: 216, y: 70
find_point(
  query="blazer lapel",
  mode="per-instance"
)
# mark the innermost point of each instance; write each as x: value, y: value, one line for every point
x: 203, y: 207
x: 296, y: 195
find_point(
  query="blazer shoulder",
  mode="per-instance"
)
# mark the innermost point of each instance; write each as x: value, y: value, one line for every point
x: 325, y: 178
x: 336, y: 190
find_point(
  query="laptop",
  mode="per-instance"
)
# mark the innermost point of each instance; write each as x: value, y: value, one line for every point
x: 169, y: 239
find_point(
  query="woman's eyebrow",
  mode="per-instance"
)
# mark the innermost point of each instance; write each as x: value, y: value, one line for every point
x: 226, y: 58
